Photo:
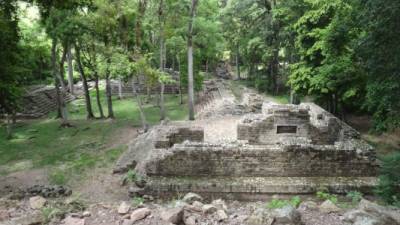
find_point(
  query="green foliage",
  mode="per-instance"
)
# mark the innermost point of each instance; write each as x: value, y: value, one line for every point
x: 58, y: 177
x: 137, y: 201
x: 324, y: 195
x: 279, y: 203
x: 131, y: 176
x: 355, y: 196
x: 389, y: 179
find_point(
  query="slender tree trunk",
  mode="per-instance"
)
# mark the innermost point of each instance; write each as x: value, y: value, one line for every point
x: 160, y: 18
x: 96, y: 76
x: 61, y: 68
x: 180, y: 81
x: 108, y: 82
x: 89, y: 109
x: 190, y: 61
x: 238, y: 61
x: 61, y: 106
x: 120, y: 88
x: 109, y: 96
x: 8, y: 126
x: 140, y: 106
x: 207, y: 66
x: 70, y: 72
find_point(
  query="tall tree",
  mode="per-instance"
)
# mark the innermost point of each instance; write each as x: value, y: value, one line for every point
x: 9, y: 82
x: 190, y: 60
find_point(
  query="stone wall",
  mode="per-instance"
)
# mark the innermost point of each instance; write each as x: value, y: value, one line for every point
x: 262, y: 161
x: 141, y: 88
x: 305, y: 123
x: 38, y: 101
x: 177, y: 135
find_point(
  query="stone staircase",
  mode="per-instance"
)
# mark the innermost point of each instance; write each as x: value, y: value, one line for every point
x: 40, y: 101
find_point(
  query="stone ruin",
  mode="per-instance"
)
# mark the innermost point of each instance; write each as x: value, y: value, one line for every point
x: 39, y: 100
x: 282, y: 149
x: 125, y: 87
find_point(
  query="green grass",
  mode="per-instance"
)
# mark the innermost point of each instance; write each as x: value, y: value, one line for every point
x: 42, y: 143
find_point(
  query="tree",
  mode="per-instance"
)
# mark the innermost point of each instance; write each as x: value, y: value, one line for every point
x: 379, y: 50
x: 190, y: 60
x: 9, y: 82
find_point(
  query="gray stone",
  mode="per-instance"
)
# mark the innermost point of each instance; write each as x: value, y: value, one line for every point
x: 221, y: 215
x: 220, y: 204
x: 260, y: 217
x: 369, y: 213
x: 308, y: 205
x: 73, y: 221
x: 328, y: 207
x: 287, y: 215
x: 136, y: 192
x: 190, y: 220
x: 376, y: 209
x: 209, y: 209
x: 123, y: 208
x: 140, y: 214
x: 174, y: 215
x: 86, y: 214
x: 192, y: 197
x: 29, y: 219
x: 197, y: 204
x: 37, y: 202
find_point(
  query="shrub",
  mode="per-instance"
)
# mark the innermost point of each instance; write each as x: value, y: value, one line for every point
x: 279, y: 203
x: 389, y: 180
x: 355, y: 196
x: 58, y: 177
x: 324, y: 195
x: 137, y: 201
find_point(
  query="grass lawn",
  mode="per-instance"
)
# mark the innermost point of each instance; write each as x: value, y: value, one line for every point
x: 42, y: 143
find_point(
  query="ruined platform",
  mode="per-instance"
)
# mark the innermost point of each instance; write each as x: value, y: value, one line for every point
x: 284, y: 149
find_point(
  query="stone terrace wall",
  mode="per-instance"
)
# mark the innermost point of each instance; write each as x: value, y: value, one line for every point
x: 305, y: 123
x: 40, y: 100
x: 126, y: 87
x: 262, y: 161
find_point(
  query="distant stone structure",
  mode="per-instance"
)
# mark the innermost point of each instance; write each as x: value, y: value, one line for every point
x: 286, y: 149
x: 39, y: 100
x: 120, y: 87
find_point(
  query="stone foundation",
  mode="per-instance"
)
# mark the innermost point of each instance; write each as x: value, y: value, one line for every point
x: 286, y: 149
x: 262, y: 161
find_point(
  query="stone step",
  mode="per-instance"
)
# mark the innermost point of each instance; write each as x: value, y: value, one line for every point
x: 252, y: 188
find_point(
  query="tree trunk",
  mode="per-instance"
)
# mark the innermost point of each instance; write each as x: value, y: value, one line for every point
x: 120, y: 89
x: 108, y: 84
x: 109, y: 97
x: 190, y: 61
x: 160, y: 17
x: 70, y: 72
x: 89, y: 110
x: 238, y: 62
x: 61, y: 107
x: 98, y: 95
x: 140, y: 106
x: 9, y: 126
x: 61, y: 68
x: 180, y: 81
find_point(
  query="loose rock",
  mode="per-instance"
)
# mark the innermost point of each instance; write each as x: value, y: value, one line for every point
x: 192, y: 197
x: 140, y: 214
x: 221, y: 214
x: 74, y: 221
x: 37, y: 202
x: 328, y: 207
x: 123, y: 208
x: 220, y: 204
x: 287, y: 215
x: 174, y: 215
x: 209, y: 209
